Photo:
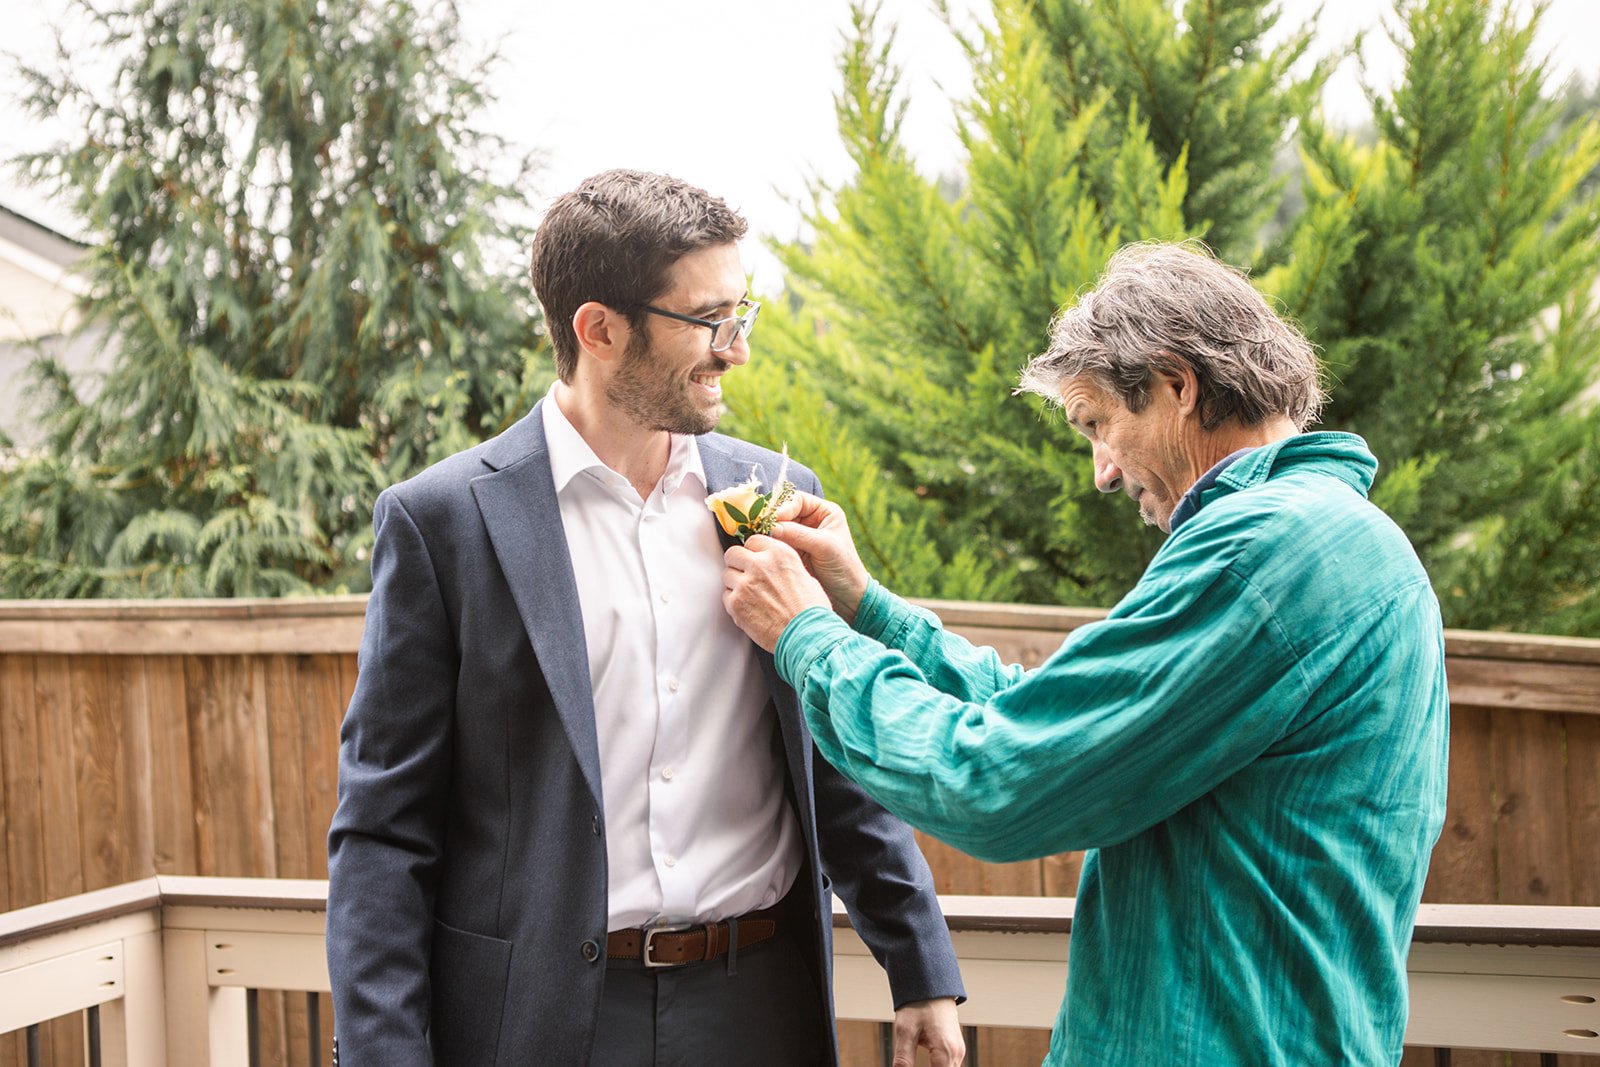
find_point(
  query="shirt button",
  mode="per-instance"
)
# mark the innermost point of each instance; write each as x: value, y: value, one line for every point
x: 666, y: 598
x: 671, y: 861
x: 673, y: 684
x: 666, y: 774
x: 589, y: 950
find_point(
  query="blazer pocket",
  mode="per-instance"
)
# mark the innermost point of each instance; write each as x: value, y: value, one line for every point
x: 469, y: 974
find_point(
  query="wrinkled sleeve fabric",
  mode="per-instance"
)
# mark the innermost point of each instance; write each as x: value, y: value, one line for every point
x: 1134, y: 717
x: 387, y: 833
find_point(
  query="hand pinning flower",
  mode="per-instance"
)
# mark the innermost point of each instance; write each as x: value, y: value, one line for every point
x: 744, y: 509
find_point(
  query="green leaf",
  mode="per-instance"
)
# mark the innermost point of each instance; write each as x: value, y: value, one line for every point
x: 759, y: 506
x: 735, y: 514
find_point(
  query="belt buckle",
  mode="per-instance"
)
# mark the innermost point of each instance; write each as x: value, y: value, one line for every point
x: 650, y: 935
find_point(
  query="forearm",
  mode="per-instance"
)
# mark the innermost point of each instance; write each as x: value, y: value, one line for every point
x: 948, y: 662
x: 1101, y: 742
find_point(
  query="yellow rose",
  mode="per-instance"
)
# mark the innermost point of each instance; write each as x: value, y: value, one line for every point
x: 742, y: 498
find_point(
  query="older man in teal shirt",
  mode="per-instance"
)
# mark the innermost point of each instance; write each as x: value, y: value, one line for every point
x: 1252, y: 746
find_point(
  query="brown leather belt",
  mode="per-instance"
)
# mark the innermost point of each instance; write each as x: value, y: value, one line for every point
x: 671, y: 946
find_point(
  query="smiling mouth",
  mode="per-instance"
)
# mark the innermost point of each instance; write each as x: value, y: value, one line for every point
x: 711, y: 383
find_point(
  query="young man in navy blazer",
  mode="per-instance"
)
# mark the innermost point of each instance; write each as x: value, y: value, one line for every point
x: 580, y: 819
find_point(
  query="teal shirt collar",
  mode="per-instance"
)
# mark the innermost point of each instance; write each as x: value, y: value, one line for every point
x: 1342, y: 455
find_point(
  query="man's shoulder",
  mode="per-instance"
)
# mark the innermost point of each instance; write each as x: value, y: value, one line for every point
x: 447, y: 483
x: 747, y: 454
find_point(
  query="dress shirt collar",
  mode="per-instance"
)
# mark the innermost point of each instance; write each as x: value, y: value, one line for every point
x: 570, y: 454
x: 1194, y: 499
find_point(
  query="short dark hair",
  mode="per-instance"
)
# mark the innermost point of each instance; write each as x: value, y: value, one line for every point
x: 613, y: 240
x: 1158, y: 305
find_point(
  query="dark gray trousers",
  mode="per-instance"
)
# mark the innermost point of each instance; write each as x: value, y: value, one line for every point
x: 765, y: 1010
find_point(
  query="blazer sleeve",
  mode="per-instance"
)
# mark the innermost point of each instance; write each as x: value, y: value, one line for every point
x: 386, y: 839
x: 884, y: 881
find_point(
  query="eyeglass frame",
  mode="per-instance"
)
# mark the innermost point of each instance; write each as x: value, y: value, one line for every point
x: 747, y: 321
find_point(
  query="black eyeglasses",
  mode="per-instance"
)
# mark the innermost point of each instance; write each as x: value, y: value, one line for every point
x: 723, y: 331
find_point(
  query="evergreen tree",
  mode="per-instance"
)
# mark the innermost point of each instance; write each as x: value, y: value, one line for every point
x: 313, y: 280
x: 1447, y: 270
x: 1082, y: 133
x: 1443, y: 260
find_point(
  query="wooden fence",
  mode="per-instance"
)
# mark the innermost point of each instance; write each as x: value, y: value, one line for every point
x: 201, y: 738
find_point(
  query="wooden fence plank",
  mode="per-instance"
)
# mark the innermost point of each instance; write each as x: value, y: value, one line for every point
x: 1499, y: 683
x: 231, y: 778
x: 1583, y: 807
x: 174, y: 809
x: 97, y: 712
x: 1464, y: 863
x: 286, y: 765
x: 1531, y: 790
x: 324, y: 697
x: 19, y: 775
x: 130, y: 678
x: 52, y: 695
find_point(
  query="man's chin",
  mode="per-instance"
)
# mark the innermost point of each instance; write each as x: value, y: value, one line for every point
x: 1161, y: 520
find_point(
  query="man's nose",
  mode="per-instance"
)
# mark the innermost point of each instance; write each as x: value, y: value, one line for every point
x: 1107, y: 476
x: 736, y: 354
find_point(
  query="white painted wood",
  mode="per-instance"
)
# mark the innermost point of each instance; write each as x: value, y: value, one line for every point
x: 229, y: 1029
x: 60, y: 985
x: 188, y: 997
x: 248, y: 959
x: 1516, y: 1013
x: 143, y: 1008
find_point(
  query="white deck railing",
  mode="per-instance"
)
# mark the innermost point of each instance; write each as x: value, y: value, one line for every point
x: 167, y: 962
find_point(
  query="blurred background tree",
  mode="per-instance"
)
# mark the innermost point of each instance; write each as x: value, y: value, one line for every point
x: 1445, y: 262
x: 315, y: 281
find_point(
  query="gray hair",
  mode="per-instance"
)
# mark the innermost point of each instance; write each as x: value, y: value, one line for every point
x: 1161, y: 305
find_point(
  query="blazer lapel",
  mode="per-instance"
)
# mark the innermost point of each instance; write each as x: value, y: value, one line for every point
x: 518, y: 502
x: 724, y: 470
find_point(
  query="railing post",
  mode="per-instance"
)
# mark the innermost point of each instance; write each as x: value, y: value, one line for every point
x: 206, y: 1027
x: 134, y: 1029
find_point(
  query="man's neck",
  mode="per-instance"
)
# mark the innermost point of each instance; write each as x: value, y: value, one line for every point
x: 1226, y: 440
x: 635, y: 452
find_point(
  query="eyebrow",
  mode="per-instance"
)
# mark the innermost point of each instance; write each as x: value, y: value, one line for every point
x: 705, y: 309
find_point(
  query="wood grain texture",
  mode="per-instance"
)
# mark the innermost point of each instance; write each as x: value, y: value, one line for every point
x: 1464, y: 864
x: 22, y: 789
x: 1531, y: 809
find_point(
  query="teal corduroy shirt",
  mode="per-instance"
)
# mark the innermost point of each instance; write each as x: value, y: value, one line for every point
x: 1252, y: 747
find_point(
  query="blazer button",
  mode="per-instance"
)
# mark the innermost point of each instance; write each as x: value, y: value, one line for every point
x: 596, y: 825
x: 590, y: 950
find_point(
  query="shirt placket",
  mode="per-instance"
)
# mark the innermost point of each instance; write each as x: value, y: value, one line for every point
x: 671, y: 823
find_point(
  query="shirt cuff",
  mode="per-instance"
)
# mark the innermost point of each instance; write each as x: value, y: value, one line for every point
x: 883, y: 616
x: 809, y: 636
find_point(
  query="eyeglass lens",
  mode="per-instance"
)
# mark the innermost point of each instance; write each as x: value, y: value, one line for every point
x: 730, y: 330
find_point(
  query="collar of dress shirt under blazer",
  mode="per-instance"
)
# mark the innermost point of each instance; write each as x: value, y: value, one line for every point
x: 517, y: 498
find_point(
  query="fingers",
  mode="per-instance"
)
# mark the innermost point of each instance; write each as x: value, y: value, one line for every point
x: 905, y: 1046
x: 800, y: 537
x: 806, y: 509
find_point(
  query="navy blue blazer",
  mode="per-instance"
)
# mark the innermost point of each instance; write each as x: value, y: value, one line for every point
x: 467, y: 857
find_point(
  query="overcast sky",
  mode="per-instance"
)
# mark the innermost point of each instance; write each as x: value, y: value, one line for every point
x: 736, y: 95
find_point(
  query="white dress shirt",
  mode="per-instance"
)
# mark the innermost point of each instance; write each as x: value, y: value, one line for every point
x: 691, y: 764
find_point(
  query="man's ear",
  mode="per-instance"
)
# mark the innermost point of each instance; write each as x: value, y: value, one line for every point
x: 601, y: 331
x: 1178, y: 379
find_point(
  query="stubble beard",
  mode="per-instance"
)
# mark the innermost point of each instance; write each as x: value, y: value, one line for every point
x: 646, y: 397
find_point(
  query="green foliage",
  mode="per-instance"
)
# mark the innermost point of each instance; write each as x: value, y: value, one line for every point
x: 1446, y: 271
x: 311, y: 278
x: 1444, y: 264
x: 930, y: 304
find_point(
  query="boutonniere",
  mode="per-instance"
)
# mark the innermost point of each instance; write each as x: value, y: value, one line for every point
x: 744, y: 510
